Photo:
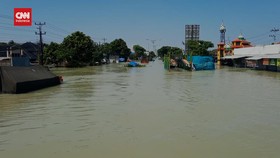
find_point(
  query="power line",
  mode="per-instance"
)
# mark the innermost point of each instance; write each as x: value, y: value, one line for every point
x: 15, y: 29
x: 260, y: 35
x: 6, y: 17
x: 56, y: 28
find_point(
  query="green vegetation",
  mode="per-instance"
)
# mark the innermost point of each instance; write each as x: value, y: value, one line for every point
x: 139, y: 52
x: 174, y: 51
x: 200, y: 47
x: 195, y: 47
x: 151, y: 55
x: 119, y: 47
x: 78, y: 49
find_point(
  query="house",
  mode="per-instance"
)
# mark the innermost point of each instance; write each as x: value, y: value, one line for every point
x: 18, y: 55
x: 259, y: 57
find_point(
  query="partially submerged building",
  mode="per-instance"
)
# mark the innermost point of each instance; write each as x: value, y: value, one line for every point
x: 258, y: 57
x: 17, y: 75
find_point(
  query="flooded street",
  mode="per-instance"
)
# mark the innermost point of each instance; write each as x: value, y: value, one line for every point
x: 116, y: 112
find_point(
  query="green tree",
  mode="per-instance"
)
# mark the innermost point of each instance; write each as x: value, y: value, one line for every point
x: 3, y: 44
x: 174, y: 51
x: 163, y: 51
x: 104, y: 49
x: 11, y: 43
x: 139, y: 51
x: 54, y: 54
x: 152, y: 55
x: 50, y: 56
x: 119, y: 47
x: 200, y: 47
x: 79, y: 49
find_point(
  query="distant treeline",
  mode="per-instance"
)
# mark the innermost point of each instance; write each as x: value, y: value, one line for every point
x: 79, y: 49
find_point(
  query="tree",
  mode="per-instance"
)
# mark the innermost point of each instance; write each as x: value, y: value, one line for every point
x: 174, y: 51
x: 49, y: 55
x: 199, y: 47
x: 105, y: 49
x: 163, y: 51
x: 139, y: 51
x: 151, y: 55
x: 54, y: 54
x: 11, y: 43
x: 119, y: 47
x: 78, y: 49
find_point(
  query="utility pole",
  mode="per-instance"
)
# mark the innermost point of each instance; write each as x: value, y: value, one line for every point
x: 40, y: 33
x: 153, y: 41
x: 274, y: 30
x: 154, y: 46
x: 148, y: 49
x: 104, y: 40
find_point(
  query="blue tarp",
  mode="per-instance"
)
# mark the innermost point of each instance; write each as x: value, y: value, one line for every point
x: 132, y: 64
x: 203, y: 62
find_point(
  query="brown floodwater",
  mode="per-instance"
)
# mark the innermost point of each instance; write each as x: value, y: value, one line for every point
x: 116, y: 112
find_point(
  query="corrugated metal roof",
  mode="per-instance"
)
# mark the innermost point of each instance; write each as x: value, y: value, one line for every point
x: 258, y: 57
x: 258, y: 50
x: 274, y: 56
x: 255, y: 58
x: 234, y: 57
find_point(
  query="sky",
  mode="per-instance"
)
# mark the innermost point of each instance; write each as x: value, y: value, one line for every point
x: 139, y: 22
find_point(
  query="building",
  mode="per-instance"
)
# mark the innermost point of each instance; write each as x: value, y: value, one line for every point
x: 227, y: 51
x: 18, y: 55
x: 240, y: 42
x: 258, y: 57
x: 224, y: 49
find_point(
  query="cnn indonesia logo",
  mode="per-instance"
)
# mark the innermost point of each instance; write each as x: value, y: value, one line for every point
x: 22, y: 16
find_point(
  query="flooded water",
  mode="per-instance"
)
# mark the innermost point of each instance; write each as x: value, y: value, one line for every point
x: 116, y: 112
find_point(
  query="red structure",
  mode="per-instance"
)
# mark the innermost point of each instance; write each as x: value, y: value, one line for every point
x: 228, y: 49
x: 240, y: 42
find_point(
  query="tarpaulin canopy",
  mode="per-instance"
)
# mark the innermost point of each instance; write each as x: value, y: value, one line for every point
x: 203, y: 62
